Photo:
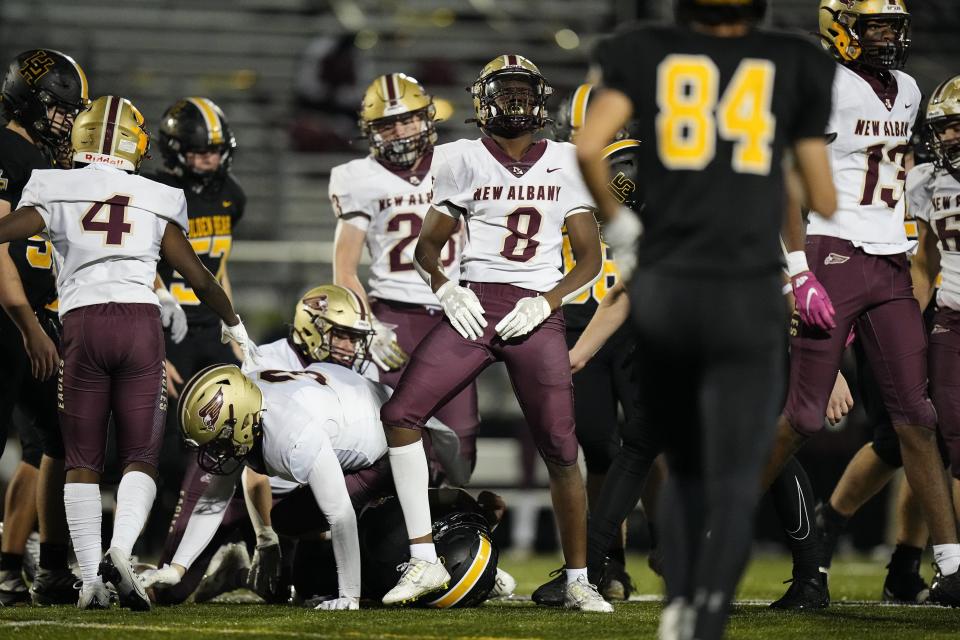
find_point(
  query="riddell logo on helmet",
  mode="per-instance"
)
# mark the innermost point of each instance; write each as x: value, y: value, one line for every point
x: 89, y: 157
x: 210, y: 412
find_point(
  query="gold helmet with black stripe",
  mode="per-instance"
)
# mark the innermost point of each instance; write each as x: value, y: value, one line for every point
x: 332, y: 323
x: 510, y: 97
x: 397, y: 118
x: 196, y: 125
x: 941, y: 132
x: 111, y: 131
x: 219, y: 413
x: 845, y: 26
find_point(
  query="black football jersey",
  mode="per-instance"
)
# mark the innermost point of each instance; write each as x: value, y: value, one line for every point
x: 213, y: 214
x: 625, y: 186
x: 715, y: 116
x: 33, y: 257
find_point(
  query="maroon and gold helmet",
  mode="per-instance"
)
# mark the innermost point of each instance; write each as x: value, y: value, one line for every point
x: 842, y: 28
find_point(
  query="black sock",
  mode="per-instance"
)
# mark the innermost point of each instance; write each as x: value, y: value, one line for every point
x: 53, y: 556
x: 11, y: 561
x: 905, y: 559
x: 794, y: 502
x: 831, y: 521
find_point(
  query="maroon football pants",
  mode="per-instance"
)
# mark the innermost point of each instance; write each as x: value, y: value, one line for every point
x: 945, y: 380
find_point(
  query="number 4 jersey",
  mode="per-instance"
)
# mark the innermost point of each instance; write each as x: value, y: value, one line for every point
x: 514, y: 210
x: 715, y: 117
x: 390, y: 206
x: 870, y: 128
x: 106, y: 227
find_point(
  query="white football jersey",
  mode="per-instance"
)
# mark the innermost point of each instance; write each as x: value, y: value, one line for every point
x: 105, y: 226
x: 872, y: 130
x: 281, y: 354
x: 514, y: 210
x: 934, y: 196
x: 390, y: 207
x: 325, y: 405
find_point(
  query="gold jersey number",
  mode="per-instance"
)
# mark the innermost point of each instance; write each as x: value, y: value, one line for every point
x: 215, y: 247
x: 692, y: 113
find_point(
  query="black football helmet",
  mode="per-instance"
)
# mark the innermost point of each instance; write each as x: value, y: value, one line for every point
x: 462, y: 538
x: 43, y: 91
x: 196, y: 125
x: 714, y: 12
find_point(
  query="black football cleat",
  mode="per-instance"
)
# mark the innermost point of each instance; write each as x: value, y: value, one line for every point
x: 805, y: 594
x: 905, y: 588
x: 945, y: 590
x: 54, y: 587
x: 117, y: 571
x: 616, y: 583
x: 13, y: 590
x: 551, y: 594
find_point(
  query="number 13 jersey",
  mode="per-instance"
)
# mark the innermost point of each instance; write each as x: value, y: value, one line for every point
x: 514, y: 210
x: 390, y: 207
x: 871, y: 127
x: 106, y: 227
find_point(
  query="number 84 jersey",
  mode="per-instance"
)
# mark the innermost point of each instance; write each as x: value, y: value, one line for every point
x: 514, y: 209
x: 390, y: 205
x: 870, y: 127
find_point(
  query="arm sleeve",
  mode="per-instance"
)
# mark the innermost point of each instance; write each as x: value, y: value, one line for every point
x: 356, y: 219
x: 31, y: 197
x: 241, y: 198
x: 343, y: 191
x: 177, y: 213
x: 205, y: 519
x: 814, y: 93
x: 330, y: 491
x: 919, y: 181
x: 448, y: 197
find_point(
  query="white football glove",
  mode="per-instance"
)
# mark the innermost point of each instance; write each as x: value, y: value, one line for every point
x: 463, y: 309
x: 238, y: 333
x: 384, y: 349
x: 264, y: 576
x: 621, y: 235
x: 347, y: 603
x: 526, y: 315
x: 172, y: 315
x: 165, y: 576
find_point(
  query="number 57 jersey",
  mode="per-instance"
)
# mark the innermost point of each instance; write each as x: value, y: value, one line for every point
x: 514, y: 209
x: 106, y: 227
x: 870, y: 126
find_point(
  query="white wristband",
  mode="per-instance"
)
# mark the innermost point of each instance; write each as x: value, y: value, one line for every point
x: 164, y: 295
x: 796, y: 263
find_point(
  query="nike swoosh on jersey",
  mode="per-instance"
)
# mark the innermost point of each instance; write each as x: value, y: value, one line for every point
x: 803, y: 517
x: 554, y: 169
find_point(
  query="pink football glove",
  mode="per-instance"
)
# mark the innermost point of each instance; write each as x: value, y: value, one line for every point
x: 813, y: 303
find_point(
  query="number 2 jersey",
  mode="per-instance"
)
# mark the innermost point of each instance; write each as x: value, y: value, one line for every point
x: 213, y: 215
x: 715, y: 116
x: 106, y: 227
x: 870, y: 127
x: 934, y: 196
x: 514, y: 210
x: 390, y: 207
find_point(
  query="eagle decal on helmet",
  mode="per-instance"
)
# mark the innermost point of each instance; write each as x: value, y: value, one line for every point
x: 209, y: 413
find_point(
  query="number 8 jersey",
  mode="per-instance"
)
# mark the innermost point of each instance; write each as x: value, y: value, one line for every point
x: 514, y: 210
x: 106, y: 227
x: 870, y: 125
x: 390, y: 205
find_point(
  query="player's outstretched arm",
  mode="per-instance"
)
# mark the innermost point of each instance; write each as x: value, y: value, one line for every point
x: 330, y: 491
x: 612, y: 312
x: 40, y: 348
x: 925, y: 265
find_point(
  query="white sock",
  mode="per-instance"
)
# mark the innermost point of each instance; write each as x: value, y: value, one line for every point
x: 84, y: 514
x: 411, y: 477
x: 947, y: 557
x: 573, y: 574
x: 134, y: 498
x: 423, y: 551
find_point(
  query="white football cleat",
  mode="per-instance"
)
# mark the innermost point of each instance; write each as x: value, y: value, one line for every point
x: 677, y: 621
x: 227, y: 571
x: 504, y: 586
x: 583, y: 596
x: 117, y: 569
x: 419, y: 578
x: 94, y: 596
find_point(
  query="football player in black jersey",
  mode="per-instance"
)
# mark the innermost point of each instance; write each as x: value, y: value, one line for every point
x: 719, y: 104
x: 43, y: 90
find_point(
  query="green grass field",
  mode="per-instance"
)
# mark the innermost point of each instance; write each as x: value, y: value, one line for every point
x: 855, y: 614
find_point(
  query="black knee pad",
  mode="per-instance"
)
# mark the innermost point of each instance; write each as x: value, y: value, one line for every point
x: 31, y: 443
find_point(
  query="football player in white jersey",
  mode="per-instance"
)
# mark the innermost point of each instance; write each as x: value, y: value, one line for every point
x: 380, y: 201
x: 108, y: 227
x: 933, y: 197
x: 854, y: 270
x: 514, y: 193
